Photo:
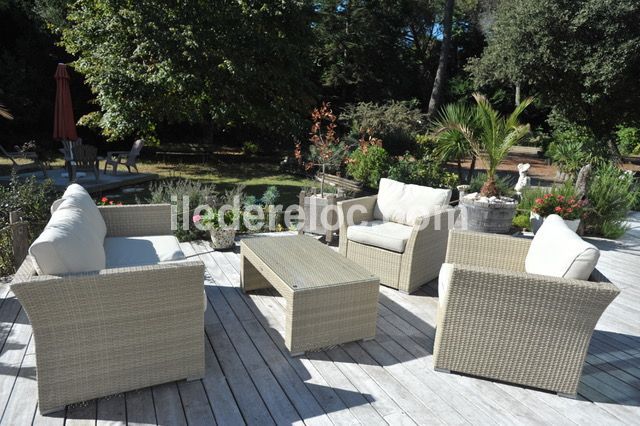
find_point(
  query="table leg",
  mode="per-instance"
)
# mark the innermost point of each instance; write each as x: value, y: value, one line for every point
x: 250, y: 277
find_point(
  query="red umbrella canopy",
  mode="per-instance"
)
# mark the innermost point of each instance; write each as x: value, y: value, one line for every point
x: 64, y: 126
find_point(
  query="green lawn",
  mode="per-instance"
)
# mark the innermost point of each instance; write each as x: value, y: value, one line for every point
x: 255, y: 176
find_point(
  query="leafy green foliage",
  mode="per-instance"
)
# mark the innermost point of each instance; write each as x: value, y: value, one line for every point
x: 198, y: 193
x: 205, y: 62
x: 397, y: 123
x: 32, y: 199
x: 368, y: 165
x: 579, y: 57
x: 628, y: 139
x: 612, y: 193
x: 487, y: 134
x: 423, y: 171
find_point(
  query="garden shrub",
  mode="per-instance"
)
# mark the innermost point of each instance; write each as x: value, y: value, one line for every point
x: 612, y: 194
x: 424, y: 171
x: 199, y: 193
x: 33, y: 200
x: 397, y: 123
x: 628, y: 139
x: 368, y: 165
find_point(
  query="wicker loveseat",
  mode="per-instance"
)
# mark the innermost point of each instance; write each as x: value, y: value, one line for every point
x: 497, y: 321
x: 400, y: 235
x: 136, y: 322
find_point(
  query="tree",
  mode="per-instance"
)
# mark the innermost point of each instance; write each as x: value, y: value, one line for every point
x: 361, y: 54
x: 196, y: 62
x: 488, y: 135
x: 580, y: 57
x: 440, y: 81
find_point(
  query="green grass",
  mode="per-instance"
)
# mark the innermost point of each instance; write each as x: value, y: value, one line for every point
x: 256, y: 177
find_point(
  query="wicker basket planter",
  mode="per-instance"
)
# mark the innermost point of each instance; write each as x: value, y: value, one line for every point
x: 222, y: 238
x: 537, y: 220
x: 482, y: 214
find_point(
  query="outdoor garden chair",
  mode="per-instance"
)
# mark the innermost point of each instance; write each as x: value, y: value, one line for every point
x: 124, y: 158
x: 85, y: 159
x: 498, y: 321
x: 31, y: 156
x: 400, y: 235
x: 67, y: 152
x: 114, y: 303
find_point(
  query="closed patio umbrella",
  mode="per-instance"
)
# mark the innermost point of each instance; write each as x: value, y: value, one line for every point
x: 64, y: 126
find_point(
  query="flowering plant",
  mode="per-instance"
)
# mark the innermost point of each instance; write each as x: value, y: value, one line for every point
x: 104, y: 201
x: 568, y: 208
x: 216, y: 219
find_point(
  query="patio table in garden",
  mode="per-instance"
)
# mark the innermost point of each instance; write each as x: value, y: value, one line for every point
x: 330, y: 299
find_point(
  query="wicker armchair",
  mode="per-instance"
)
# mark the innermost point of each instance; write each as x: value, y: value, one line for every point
x: 407, y: 271
x: 496, y: 321
x: 115, y: 330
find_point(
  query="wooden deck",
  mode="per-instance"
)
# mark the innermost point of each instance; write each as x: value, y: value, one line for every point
x: 252, y: 379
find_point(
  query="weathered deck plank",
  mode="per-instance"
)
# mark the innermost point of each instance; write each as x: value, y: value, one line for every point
x: 252, y: 379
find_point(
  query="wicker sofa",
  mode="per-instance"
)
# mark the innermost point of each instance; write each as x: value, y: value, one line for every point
x: 409, y: 247
x: 497, y: 321
x: 119, y: 328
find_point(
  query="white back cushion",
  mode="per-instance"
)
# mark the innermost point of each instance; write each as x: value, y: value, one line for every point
x: 68, y: 244
x: 402, y: 203
x: 78, y: 198
x: 557, y: 251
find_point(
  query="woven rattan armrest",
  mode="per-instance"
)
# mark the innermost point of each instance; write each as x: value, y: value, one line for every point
x: 137, y: 220
x: 487, y: 250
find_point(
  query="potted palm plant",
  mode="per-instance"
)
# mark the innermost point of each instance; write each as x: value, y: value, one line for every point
x: 489, y: 136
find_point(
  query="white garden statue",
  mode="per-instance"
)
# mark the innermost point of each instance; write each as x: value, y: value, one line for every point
x: 524, y: 180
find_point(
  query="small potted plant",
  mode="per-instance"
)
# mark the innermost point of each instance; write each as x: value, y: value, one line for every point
x: 328, y: 153
x: 568, y: 208
x: 489, y: 136
x: 221, y: 226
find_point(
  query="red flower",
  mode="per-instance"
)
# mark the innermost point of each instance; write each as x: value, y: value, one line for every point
x: 569, y: 210
x: 539, y: 201
x: 104, y: 199
x: 547, y: 196
x: 558, y: 209
x: 110, y: 202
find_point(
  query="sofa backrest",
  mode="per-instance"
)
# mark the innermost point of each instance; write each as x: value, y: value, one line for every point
x: 73, y: 240
x: 404, y: 203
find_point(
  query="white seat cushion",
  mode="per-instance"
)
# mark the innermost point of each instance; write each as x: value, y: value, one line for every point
x: 385, y: 235
x: 123, y: 252
x: 557, y: 251
x: 68, y: 244
x: 402, y: 203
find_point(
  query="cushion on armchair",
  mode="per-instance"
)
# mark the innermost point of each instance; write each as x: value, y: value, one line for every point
x: 72, y: 240
x: 385, y: 235
x: 404, y: 203
x: 557, y: 251
x: 138, y: 251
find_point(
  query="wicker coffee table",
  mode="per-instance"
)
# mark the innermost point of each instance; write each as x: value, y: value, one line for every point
x: 330, y: 299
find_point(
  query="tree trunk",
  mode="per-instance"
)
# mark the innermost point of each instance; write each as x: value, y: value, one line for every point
x: 517, y: 94
x: 439, y: 84
x: 472, y: 168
